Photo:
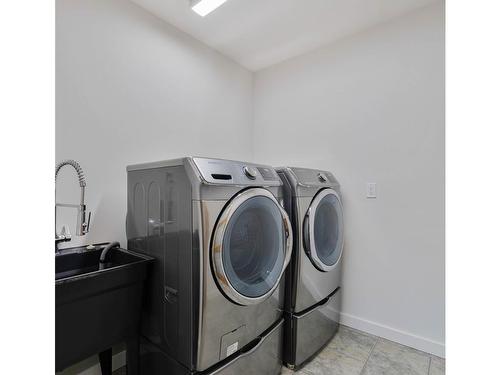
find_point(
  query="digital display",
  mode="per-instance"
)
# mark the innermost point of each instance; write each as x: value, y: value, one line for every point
x: 268, y: 174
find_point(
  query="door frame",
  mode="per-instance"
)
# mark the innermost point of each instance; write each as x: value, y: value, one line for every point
x: 218, y: 238
x: 309, y: 242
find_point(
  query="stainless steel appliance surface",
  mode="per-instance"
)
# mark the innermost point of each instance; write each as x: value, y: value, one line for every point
x: 313, y: 278
x: 221, y: 242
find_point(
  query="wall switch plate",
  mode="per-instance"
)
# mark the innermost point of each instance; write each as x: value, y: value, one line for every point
x: 371, y: 190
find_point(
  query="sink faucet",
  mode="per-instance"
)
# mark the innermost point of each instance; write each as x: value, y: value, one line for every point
x: 82, y: 225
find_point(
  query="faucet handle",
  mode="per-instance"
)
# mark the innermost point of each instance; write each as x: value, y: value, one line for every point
x: 86, y: 224
x: 65, y: 234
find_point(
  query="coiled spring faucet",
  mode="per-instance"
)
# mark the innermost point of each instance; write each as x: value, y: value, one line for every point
x: 82, y: 225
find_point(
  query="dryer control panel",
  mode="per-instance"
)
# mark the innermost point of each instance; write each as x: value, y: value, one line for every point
x: 314, y: 177
x: 228, y: 172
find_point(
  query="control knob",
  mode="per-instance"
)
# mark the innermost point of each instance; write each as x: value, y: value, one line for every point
x: 250, y: 172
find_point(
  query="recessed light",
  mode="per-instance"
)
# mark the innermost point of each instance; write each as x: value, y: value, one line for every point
x: 203, y: 7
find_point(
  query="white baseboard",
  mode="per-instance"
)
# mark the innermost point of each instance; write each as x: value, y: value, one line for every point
x: 91, y: 365
x: 402, y: 337
x: 119, y: 360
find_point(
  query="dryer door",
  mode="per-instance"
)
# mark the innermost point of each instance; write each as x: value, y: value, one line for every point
x: 251, y: 246
x: 324, y: 230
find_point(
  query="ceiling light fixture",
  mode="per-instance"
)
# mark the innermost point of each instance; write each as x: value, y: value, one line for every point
x: 203, y: 7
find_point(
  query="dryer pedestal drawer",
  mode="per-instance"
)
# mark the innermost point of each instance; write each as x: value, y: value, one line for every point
x: 309, y: 332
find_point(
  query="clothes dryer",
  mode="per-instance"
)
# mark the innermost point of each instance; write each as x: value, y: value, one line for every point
x: 313, y: 278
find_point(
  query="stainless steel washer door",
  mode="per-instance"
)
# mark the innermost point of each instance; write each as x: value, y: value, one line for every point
x: 251, y: 246
x: 324, y: 230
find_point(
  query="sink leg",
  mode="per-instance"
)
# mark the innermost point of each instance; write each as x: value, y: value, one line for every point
x: 106, y: 361
x: 133, y: 356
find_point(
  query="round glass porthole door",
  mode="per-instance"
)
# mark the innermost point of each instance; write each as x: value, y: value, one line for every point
x: 251, y: 246
x: 324, y: 230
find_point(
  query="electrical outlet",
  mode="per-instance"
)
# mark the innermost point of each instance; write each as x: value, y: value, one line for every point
x: 371, y: 190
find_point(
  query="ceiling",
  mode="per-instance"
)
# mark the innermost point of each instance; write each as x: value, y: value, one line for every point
x: 260, y: 33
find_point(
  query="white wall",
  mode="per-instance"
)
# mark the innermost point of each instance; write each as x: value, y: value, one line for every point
x: 371, y: 109
x: 131, y: 89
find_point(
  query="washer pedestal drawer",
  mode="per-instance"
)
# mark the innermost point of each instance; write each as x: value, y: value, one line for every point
x: 262, y: 356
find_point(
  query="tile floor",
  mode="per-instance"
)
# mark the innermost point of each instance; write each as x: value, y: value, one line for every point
x: 353, y: 352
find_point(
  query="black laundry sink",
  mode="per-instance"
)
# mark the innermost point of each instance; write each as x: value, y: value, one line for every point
x: 98, y: 307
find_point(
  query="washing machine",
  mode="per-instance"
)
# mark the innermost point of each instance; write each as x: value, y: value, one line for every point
x: 221, y: 240
x: 313, y: 278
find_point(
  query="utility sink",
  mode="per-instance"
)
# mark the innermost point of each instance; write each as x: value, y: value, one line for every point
x: 71, y: 263
x: 98, y: 307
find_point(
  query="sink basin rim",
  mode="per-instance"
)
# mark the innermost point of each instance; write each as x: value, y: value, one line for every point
x: 82, y: 250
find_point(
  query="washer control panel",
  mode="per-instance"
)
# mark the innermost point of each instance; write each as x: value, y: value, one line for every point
x: 228, y: 172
